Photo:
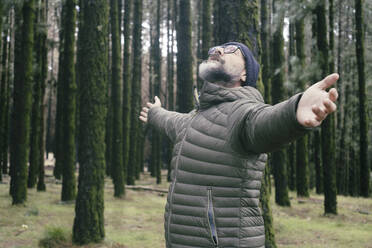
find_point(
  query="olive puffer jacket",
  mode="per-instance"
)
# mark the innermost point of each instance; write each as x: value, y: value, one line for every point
x: 217, y: 165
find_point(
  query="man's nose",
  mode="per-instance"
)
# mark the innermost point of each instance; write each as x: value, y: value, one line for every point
x: 219, y: 51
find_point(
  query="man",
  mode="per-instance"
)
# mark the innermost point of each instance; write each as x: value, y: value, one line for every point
x: 219, y: 149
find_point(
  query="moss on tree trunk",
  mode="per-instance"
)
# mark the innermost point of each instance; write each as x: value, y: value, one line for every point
x: 327, y: 137
x: 89, y: 218
x: 136, y: 92
x: 22, y: 102
x: 127, y: 91
x: 184, y: 59
x: 117, y: 134
x: 363, y: 118
x: 302, y: 162
x: 69, y: 103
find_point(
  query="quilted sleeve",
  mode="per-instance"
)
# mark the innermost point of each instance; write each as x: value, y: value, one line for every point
x: 260, y: 128
x: 168, y: 122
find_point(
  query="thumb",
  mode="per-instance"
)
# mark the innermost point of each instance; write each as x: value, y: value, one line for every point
x: 157, y: 100
x: 328, y: 81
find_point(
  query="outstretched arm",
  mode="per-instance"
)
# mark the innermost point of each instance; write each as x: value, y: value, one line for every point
x: 163, y: 120
x: 265, y: 128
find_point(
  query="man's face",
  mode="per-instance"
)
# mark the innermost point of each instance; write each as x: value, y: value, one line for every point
x: 225, y: 66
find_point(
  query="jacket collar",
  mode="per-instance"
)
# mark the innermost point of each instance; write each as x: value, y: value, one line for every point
x: 213, y: 94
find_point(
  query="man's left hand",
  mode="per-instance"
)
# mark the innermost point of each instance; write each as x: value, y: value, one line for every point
x: 316, y: 103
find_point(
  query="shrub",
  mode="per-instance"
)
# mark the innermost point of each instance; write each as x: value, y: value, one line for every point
x: 54, y: 237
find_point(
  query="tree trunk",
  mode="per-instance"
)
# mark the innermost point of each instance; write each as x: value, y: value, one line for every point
x: 156, y: 138
x: 170, y: 78
x: 185, y: 80
x: 35, y: 114
x: 69, y: 103
x: 126, y: 85
x: 265, y: 56
x: 89, y: 218
x: 20, y: 131
x: 363, y: 125
x: 291, y: 149
x: 238, y: 21
x: 117, y: 131
x: 342, y: 154
x: 136, y: 91
x: 4, y: 102
x: 277, y: 95
x: 327, y: 137
x: 58, y: 150
x: 302, y: 163
x: 43, y: 76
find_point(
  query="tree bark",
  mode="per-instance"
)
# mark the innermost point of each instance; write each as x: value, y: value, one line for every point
x: 363, y: 124
x: 20, y: 131
x: 117, y: 126
x: 89, y: 218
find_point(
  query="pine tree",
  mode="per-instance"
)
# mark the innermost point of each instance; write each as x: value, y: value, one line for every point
x: 89, y: 218
x: 69, y: 103
x: 43, y: 70
x: 266, y: 209
x: 291, y: 149
x: 342, y: 159
x: 185, y: 82
x: 4, y: 103
x: 363, y: 119
x: 136, y: 91
x: 327, y: 137
x: 34, y: 159
x: 117, y: 134
x: 302, y: 163
x: 238, y: 21
x: 277, y: 95
x: 316, y: 135
x: 156, y: 138
x: 126, y: 85
x: 20, y: 131
x: 58, y: 149
x: 265, y: 56
x: 170, y: 78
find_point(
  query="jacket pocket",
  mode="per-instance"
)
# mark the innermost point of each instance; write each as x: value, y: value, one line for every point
x: 211, y: 218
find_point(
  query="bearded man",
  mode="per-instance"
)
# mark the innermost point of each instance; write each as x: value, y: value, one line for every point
x: 220, y: 149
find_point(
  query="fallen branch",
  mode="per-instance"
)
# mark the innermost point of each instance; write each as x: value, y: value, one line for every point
x: 137, y: 187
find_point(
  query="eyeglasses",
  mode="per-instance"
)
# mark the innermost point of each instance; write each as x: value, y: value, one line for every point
x: 226, y: 49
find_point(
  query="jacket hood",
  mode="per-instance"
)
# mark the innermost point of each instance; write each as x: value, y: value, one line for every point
x: 213, y: 94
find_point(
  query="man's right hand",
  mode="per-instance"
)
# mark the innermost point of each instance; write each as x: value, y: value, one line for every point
x: 145, y: 110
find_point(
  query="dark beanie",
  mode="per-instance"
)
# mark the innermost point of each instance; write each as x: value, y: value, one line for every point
x: 251, y: 66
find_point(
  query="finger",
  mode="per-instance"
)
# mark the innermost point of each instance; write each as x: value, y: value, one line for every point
x: 149, y: 104
x: 328, y: 81
x: 330, y: 106
x: 333, y: 94
x: 143, y: 119
x: 144, y: 114
x: 312, y: 123
x: 144, y: 109
x: 319, y: 113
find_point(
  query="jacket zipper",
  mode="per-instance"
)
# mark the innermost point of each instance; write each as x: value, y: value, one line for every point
x: 211, y: 219
x: 175, y: 177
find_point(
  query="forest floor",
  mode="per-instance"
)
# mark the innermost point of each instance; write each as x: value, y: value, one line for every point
x: 136, y: 221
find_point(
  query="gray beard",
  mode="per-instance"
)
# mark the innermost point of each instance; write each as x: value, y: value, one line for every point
x: 216, y: 72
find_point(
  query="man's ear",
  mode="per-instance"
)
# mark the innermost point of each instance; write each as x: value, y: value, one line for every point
x: 243, y: 76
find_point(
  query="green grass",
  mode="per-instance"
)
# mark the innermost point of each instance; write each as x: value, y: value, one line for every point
x: 305, y: 225
x: 137, y: 220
